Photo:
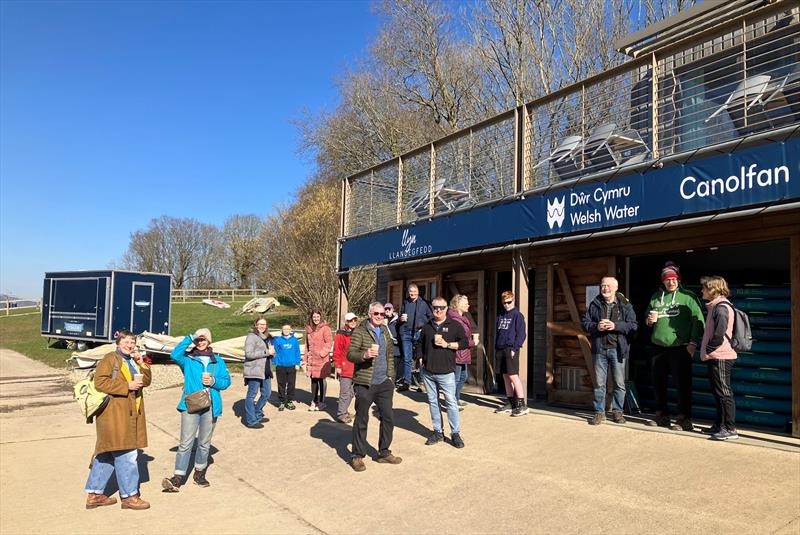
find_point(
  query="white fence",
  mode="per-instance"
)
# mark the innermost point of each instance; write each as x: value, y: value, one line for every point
x: 12, y: 306
x: 188, y: 295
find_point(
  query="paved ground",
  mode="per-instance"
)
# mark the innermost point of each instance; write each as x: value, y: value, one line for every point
x: 544, y: 473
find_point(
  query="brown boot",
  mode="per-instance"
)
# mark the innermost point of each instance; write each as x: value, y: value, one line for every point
x: 93, y: 501
x: 357, y: 463
x: 388, y: 459
x: 134, y: 502
x: 200, y: 478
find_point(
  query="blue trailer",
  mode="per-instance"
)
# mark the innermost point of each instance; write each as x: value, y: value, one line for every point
x: 90, y: 306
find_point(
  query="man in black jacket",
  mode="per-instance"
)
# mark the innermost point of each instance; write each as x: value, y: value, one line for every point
x: 414, y: 313
x: 439, y: 340
x: 611, y: 322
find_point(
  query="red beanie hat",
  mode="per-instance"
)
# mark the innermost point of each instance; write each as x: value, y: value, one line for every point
x: 670, y: 270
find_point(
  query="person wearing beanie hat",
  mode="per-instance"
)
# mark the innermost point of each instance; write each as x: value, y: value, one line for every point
x: 676, y: 317
x: 202, y: 370
x: 203, y: 333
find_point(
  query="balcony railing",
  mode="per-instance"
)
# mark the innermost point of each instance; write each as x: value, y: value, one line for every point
x: 739, y: 78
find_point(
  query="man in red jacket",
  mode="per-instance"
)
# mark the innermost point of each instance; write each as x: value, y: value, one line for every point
x: 344, y: 368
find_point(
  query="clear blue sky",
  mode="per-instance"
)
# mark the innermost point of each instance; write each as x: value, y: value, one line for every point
x: 113, y: 113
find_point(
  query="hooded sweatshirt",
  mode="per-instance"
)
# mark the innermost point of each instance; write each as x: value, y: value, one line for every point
x: 680, y: 318
x: 287, y: 350
x: 510, y: 330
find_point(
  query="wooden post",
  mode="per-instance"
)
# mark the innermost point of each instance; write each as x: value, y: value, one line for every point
x: 654, y: 105
x: 344, y: 291
x: 549, y: 338
x: 794, y: 268
x: 519, y: 262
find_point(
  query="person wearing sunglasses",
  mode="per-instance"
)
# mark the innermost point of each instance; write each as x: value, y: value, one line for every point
x: 370, y: 352
x: 511, y: 335
x: 440, y: 340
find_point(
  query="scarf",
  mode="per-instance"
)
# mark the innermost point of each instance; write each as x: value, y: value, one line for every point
x: 128, y: 370
x: 207, y: 352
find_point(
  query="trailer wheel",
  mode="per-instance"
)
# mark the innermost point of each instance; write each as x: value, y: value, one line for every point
x: 70, y: 344
x: 81, y: 346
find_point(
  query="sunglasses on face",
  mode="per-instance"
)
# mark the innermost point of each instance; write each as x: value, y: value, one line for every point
x: 439, y: 307
x: 508, y: 302
x: 378, y: 314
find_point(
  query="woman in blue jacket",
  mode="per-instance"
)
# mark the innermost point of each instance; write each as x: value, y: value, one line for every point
x: 201, y: 369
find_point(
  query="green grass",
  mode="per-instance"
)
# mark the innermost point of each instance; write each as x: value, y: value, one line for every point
x: 22, y: 333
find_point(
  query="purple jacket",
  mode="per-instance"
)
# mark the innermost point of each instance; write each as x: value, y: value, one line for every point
x: 463, y: 356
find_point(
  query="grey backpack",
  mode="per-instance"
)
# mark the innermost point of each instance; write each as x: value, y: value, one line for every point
x: 742, y: 339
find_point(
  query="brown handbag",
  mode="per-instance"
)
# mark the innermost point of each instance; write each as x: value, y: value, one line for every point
x: 200, y: 400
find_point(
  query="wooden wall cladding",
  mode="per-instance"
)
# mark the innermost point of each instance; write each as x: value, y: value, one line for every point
x: 570, y: 372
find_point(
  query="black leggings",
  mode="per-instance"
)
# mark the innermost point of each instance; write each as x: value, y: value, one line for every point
x: 318, y: 390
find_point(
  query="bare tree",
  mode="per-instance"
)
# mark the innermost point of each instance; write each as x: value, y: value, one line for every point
x: 179, y: 246
x: 426, y: 62
x: 244, y: 250
x: 301, y: 249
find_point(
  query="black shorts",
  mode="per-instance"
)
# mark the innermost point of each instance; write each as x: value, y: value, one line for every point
x: 506, y: 363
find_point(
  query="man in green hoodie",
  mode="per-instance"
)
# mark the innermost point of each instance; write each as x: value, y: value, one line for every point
x: 677, y: 320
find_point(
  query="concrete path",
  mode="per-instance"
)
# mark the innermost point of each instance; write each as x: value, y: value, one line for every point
x: 26, y: 383
x: 548, y: 472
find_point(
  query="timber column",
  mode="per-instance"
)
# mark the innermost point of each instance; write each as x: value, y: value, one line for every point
x: 344, y: 301
x: 519, y: 262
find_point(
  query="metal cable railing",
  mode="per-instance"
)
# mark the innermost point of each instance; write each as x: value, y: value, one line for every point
x: 740, y: 79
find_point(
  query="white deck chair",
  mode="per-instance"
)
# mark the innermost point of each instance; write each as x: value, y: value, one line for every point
x: 748, y: 93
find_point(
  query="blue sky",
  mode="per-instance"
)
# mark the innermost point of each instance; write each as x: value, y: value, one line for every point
x: 113, y: 113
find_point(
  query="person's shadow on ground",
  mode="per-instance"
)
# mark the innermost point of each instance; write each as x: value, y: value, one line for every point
x: 338, y: 437
x: 475, y: 400
x: 211, y: 451
x: 238, y: 410
x: 142, y: 460
x: 406, y: 419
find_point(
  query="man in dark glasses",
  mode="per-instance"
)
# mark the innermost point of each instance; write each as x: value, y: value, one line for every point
x: 371, y: 353
x: 511, y: 335
x: 440, y: 339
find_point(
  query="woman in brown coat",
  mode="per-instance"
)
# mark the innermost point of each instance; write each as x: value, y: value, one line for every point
x: 121, y: 427
x: 317, y: 360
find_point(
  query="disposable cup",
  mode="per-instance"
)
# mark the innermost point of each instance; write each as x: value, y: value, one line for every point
x: 138, y: 377
x: 375, y: 347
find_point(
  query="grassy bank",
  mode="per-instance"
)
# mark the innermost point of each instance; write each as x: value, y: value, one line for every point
x: 22, y: 333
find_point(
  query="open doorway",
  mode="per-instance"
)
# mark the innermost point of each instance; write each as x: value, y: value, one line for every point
x: 759, y: 277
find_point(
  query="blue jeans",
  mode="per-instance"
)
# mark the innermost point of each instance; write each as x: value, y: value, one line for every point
x: 602, y: 360
x: 407, y: 348
x: 253, y: 412
x: 124, y: 463
x: 200, y: 424
x: 461, y: 379
x: 447, y: 383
